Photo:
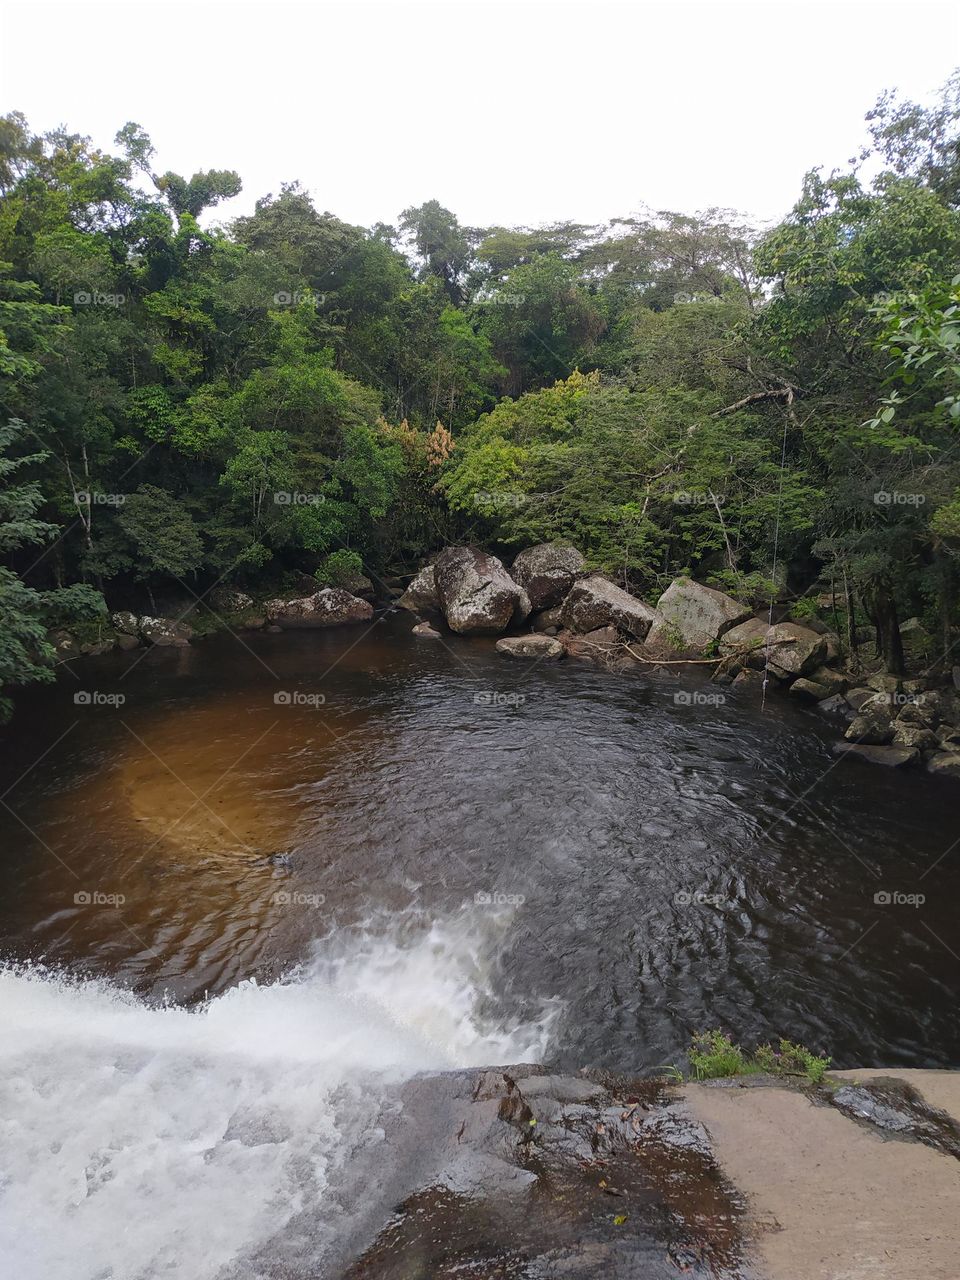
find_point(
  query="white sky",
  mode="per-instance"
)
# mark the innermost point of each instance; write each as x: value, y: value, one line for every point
x: 506, y: 113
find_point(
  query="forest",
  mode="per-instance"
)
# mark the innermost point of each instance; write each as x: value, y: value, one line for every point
x: 774, y: 410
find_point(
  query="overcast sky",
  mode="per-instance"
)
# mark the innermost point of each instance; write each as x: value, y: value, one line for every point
x: 506, y: 113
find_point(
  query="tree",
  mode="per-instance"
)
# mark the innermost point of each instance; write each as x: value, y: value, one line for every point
x: 26, y: 654
x: 440, y: 243
x: 164, y: 537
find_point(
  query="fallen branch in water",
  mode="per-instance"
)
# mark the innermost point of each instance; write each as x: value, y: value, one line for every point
x: 672, y: 662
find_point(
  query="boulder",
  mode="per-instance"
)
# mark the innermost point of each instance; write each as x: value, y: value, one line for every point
x: 548, y: 620
x: 747, y: 678
x: 476, y: 593
x: 881, y: 682
x: 426, y: 632
x: 870, y: 727
x: 329, y: 607
x: 693, y: 616
x: 530, y: 647
x: 127, y: 642
x: 835, y: 705
x: 164, y: 631
x: 945, y: 764
x: 595, y: 602
x: 857, y: 697
x: 547, y: 572
x: 892, y: 757
x: 923, y: 710
x: 358, y: 584
x: 794, y: 650
x: 948, y: 737
x: 810, y: 690
x: 230, y: 600
x: 600, y: 646
x: 421, y: 595
x: 745, y: 639
x: 787, y: 648
x: 835, y: 681
x: 125, y: 623
x: 914, y: 735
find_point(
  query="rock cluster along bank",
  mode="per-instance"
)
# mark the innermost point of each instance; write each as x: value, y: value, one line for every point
x: 571, y: 612
x: 554, y: 607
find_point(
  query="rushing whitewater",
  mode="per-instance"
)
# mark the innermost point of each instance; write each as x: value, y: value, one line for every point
x: 139, y: 1142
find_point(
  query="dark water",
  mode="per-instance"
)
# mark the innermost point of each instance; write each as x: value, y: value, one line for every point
x: 238, y: 830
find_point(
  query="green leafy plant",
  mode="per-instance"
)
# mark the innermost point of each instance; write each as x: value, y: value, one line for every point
x: 713, y: 1056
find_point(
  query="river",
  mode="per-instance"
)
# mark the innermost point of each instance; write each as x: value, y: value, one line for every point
x: 248, y: 883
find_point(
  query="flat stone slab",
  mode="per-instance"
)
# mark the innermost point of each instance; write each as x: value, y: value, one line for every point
x: 534, y: 646
x: 892, y: 757
x: 832, y: 1200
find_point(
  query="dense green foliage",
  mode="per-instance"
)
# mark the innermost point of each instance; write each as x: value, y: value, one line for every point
x: 290, y: 395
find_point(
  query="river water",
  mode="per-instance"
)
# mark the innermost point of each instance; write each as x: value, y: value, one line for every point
x: 247, y: 885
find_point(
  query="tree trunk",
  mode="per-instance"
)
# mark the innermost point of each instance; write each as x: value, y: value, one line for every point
x: 888, y: 629
x: 852, y: 644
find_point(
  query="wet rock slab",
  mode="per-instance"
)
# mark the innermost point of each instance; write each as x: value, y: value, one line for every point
x: 540, y: 1175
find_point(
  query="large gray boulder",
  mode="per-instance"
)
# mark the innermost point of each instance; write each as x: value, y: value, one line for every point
x: 421, y: 595
x: 914, y: 735
x: 476, y: 593
x: 230, y: 600
x: 746, y: 641
x: 694, y: 616
x: 787, y: 648
x: 126, y: 623
x: 164, y: 632
x: 329, y: 607
x: 873, y: 724
x: 595, y: 602
x: 547, y: 572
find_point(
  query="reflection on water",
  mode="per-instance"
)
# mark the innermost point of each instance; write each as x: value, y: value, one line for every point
x: 680, y: 866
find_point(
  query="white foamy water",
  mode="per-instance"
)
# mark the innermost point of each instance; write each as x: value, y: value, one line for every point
x: 139, y: 1142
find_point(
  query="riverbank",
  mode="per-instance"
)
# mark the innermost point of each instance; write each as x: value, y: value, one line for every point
x: 754, y: 1179
x: 548, y: 606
